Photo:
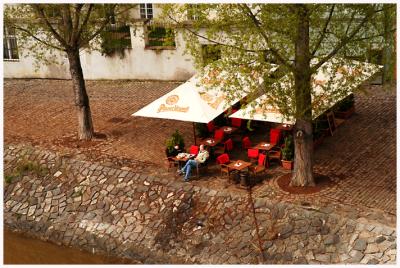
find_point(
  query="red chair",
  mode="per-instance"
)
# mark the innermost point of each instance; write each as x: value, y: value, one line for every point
x: 228, y: 146
x: 236, y: 122
x: 274, y: 136
x: 261, y: 164
x: 194, y: 149
x: 223, y: 161
x: 252, y: 154
x: 210, y: 126
x: 219, y: 135
x: 246, y: 143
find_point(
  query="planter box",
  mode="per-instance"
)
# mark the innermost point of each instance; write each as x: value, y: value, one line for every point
x: 287, y: 164
x: 346, y: 114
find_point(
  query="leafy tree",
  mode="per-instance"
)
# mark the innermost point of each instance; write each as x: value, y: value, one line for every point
x: 45, y: 29
x: 300, y: 38
x: 389, y: 50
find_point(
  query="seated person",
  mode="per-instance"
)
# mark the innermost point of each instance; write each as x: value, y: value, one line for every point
x: 201, y: 157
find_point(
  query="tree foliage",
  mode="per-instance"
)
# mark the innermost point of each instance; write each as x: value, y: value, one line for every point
x: 299, y: 38
x: 250, y: 35
x: 44, y: 30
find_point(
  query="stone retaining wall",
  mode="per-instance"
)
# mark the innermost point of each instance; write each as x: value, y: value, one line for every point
x: 155, y: 220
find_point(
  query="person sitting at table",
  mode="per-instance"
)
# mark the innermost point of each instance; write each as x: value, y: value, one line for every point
x: 201, y: 157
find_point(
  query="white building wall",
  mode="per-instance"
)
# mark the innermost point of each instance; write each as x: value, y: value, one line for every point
x: 25, y: 68
x: 138, y: 63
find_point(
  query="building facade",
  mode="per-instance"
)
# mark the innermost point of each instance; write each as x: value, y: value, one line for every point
x: 144, y: 54
x: 137, y: 50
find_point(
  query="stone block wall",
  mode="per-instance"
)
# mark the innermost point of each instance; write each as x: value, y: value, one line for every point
x: 159, y: 220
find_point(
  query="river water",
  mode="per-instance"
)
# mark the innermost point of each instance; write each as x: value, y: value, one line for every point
x: 21, y: 249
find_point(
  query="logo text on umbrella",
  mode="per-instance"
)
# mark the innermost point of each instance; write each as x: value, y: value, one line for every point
x: 171, y: 106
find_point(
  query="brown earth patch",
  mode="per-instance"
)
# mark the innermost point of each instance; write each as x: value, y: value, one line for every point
x: 321, y: 182
x: 74, y: 142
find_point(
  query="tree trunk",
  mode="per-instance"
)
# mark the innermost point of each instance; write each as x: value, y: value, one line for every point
x: 303, y: 161
x: 387, y: 48
x: 85, y: 125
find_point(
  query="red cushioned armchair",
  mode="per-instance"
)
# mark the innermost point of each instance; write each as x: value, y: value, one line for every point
x: 219, y: 135
x: 261, y: 165
x: 252, y: 154
x: 223, y: 161
x: 246, y: 143
x: 275, y: 136
x: 194, y: 149
x: 236, y: 122
x: 211, y: 126
x: 227, y: 147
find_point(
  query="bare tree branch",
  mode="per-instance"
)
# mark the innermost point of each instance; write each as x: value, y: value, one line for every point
x: 38, y: 39
x: 67, y: 21
x: 40, y: 11
x: 211, y: 40
x: 323, y: 34
x: 345, y: 40
x: 103, y: 25
x: 350, y: 22
x: 77, y: 37
x: 274, y: 52
x: 370, y: 37
x: 77, y: 17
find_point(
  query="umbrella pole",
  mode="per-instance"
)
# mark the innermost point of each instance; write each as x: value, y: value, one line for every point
x: 194, y: 134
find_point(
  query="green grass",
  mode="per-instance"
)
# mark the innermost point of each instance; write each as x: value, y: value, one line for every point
x: 25, y: 167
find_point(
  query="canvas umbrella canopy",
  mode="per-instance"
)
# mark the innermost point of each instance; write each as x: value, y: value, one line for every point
x: 194, y: 100
x: 333, y: 81
x: 188, y: 102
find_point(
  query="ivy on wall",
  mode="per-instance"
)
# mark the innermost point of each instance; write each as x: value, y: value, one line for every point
x: 115, y: 39
x: 160, y: 37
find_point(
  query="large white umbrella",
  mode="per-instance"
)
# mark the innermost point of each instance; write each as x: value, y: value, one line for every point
x: 333, y: 81
x: 195, y: 100
x: 188, y: 102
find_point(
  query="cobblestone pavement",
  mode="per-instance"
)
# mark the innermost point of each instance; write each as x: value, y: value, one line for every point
x: 361, y: 155
x: 158, y: 220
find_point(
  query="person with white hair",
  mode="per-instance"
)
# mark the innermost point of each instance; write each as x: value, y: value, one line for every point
x: 201, y: 157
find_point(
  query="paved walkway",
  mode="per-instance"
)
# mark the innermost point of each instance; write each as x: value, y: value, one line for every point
x: 361, y: 154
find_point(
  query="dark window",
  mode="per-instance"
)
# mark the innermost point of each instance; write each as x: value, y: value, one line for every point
x: 210, y: 53
x: 10, y: 48
x: 146, y: 11
x: 160, y: 37
x: 115, y: 38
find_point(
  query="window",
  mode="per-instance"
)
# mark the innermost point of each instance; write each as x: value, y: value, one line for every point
x: 210, y: 53
x: 160, y: 37
x: 115, y: 38
x: 146, y: 11
x: 10, y: 48
x: 193, y: 12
